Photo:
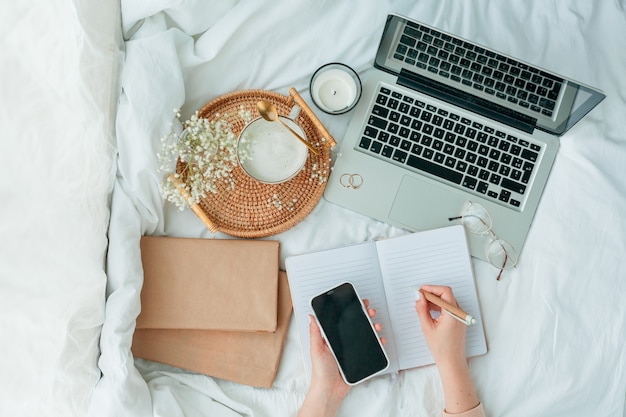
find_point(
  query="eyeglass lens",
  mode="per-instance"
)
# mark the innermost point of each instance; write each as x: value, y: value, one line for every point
x: 476, y: 219
x: 499, y: 252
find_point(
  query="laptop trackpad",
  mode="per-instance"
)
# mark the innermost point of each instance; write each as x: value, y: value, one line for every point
x: 421, y: 205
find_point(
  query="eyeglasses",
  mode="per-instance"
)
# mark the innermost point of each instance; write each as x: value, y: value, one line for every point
x: 477, y: 220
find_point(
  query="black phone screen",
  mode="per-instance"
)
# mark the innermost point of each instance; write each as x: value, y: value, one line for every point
x: 349, y: 333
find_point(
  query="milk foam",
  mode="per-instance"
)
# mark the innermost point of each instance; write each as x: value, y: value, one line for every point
x: 276, y: 154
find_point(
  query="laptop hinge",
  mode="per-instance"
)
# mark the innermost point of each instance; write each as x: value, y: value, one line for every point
x: 467, y: 101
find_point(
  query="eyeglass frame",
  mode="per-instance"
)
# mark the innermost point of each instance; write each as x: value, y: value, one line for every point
x: 492, y: 235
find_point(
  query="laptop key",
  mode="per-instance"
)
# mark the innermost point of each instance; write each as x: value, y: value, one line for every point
x: 450, y: 137
x: 434, y: 169
x: 376, y: 147
x: 377, y: 122
x: 370, y: 132
x: 380, y: 111
x: 470, y: 182
x: 407, y: 40
x: 450, y: 162
x: 529, y: 155
x: 387, y: 151
x: 504, y: 196
x: 513, y: 186
x: 495, y: 179
x: 526, y: 175
x: 399, y: 156
x: 553, y: 94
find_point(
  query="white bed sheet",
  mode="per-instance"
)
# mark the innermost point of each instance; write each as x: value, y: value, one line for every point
x: 58, y: 88
x: 555, y: 326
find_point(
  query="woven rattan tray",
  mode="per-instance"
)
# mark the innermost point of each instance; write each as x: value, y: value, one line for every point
x: 255, y: 209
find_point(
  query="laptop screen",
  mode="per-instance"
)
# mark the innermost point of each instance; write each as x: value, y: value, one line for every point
x: 481, y: 79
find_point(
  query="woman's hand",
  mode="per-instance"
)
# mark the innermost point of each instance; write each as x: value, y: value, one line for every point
x: 446, y: 339
x: 325, y: 377
x: 445, y: 335
x: 327, y: 386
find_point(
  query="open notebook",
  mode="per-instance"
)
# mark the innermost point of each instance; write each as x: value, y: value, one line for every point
x: 385, y: 272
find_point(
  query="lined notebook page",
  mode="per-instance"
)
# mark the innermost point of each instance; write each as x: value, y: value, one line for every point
x: 311, y: 274
x: 438, y: 257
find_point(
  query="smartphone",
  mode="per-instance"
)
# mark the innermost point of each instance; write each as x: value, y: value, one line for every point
x: 349, y: 333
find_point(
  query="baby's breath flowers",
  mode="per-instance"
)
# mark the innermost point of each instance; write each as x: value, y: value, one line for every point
x: 207, y: 149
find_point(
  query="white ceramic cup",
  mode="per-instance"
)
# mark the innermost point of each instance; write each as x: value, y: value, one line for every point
x: 270, y: 153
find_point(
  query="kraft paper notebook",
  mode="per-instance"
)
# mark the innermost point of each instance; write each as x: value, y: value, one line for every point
x: 243, y: 357
x: 386, y: 272
x: 209, y: 284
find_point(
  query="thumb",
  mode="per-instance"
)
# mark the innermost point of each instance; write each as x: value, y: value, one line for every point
x: 317, y: 342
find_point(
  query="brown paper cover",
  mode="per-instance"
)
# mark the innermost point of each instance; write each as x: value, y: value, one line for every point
x: 209, y: 284
x: 243, y: 357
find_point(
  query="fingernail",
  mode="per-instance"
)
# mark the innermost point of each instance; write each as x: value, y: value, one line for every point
x: 418, y: 295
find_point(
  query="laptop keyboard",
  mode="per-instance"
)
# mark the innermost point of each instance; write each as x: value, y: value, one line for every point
x: 478, y: 68
x: 460, y: 151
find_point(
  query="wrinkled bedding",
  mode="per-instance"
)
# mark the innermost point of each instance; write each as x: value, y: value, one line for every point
x: 59, y: 67
x: 70, y: 269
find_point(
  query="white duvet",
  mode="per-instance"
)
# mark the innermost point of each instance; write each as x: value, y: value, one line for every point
x: 555, y: 325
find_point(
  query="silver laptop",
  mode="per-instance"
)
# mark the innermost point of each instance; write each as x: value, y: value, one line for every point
x: 444, y: 122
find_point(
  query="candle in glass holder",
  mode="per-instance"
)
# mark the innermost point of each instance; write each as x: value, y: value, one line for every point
x: 335, y: 88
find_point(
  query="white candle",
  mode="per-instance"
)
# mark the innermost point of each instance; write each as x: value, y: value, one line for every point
x: 334, y: 89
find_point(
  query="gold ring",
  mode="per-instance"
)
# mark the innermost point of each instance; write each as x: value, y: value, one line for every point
x: 353, y: 181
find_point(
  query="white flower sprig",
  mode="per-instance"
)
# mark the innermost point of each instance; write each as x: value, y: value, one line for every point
x: 207, y: 148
